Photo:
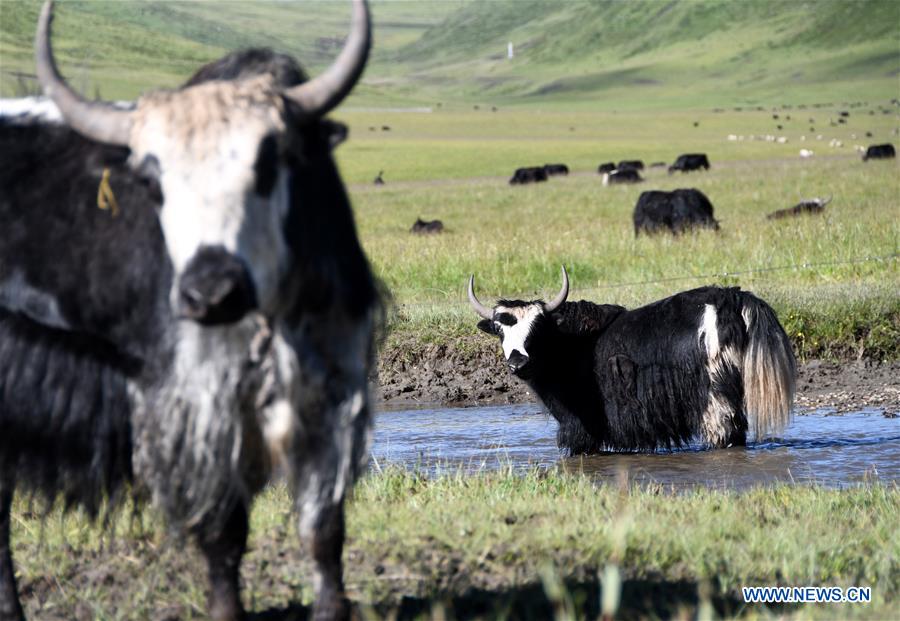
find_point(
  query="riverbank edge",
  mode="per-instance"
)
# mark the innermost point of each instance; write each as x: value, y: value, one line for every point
x: 468, y: 371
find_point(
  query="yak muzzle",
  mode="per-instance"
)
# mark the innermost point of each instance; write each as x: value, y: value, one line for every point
x: 518, y: 363
x: 215, y: 288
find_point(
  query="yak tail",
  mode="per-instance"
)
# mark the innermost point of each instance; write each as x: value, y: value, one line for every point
x: 769, y: 369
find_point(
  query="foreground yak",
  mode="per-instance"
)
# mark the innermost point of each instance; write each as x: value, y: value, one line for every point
x: 699, y: 363
x: 185, y: 307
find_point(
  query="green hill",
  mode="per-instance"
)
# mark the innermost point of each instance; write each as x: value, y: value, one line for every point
x: 650, y: 52
x: 606, y: 53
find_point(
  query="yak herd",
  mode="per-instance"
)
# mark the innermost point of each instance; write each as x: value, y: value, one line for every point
x: 682, y: 209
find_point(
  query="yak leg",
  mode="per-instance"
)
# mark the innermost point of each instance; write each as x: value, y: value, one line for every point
x: 724, y: 421
x: 10, y: 609
x: 223, y: 550
x: 333, y: 355
x: 326, y: 540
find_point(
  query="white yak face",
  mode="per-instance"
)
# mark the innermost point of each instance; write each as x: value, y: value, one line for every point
x: 214, y: 143
x: 514, y: 324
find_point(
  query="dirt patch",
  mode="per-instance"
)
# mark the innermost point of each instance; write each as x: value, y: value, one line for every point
x: 470, y: 372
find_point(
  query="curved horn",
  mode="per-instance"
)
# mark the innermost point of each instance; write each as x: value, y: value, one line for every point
x: 561, y: 296
x: 97, y: 121
x: 483, y: 311
x: 827, y: 200
x: 319, y: 95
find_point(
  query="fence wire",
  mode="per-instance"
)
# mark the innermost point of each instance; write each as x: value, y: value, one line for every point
x: 655, y: 281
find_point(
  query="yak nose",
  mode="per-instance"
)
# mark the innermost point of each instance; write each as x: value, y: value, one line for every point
x: 516, y: 361
x: 215, y: 288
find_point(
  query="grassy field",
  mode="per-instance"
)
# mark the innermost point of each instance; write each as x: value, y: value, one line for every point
x: 495, y: 545
x: 834, y: 279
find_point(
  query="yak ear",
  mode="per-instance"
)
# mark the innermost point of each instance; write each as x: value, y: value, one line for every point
x: 486, y: 325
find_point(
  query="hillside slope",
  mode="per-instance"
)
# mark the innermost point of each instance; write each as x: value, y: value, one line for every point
x: 603, y: 53
x: 724, y: 51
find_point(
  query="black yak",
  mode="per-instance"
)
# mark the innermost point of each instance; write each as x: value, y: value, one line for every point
x: 701, y: 363
x: 556, y: 169
x: 606, y: 168
x: 426, y: 227
x: 211, y: 322
x: 810, y: 206
x: 879, y: 152
x: 675, y: 211
x: 530, y: 174
x: 690, y: 161
x: 630, y: 165
x: 616, y: 177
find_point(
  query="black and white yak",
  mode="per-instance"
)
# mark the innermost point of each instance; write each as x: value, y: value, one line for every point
x: 185, y: 307
x: 697, y: 364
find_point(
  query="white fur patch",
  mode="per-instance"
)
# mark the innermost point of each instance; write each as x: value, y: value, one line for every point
x: 708, y: 333
x: 514, y: 337
x: 207, y: 140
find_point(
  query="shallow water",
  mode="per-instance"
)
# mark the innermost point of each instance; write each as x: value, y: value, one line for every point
x: 817, y: 447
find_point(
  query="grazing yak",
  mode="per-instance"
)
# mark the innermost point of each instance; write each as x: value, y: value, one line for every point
x: 426, y: 227
x: 811, y: 206
x: 184, y: 303
x: 688, y: 162
x: 675, y: 211
x: 608, y: 167
x: 556, y: 169
x: 615, y: 177
x: 530, y: 174
x: 630, y: 165
x: 879, y: 152
x: 700, y: 363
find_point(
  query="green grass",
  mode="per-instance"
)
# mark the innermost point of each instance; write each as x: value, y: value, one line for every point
x: 441, y: 541
x: 641, y: 54
x: 822, y: 274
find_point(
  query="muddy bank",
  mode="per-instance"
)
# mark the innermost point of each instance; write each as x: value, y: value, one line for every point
x: 469, y: 371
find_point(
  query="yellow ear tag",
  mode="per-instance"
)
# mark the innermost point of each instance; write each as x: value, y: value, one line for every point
x: 105, y: 197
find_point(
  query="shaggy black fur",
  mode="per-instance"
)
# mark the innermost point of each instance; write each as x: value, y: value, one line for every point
x: 95, y: 313
x: 82, y: 311
x: 633, y: 380
x: 674, y: 211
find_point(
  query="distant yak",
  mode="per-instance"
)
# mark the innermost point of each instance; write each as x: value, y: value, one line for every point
x: 427, y: 227
x: 628, y: 175
x: 630, y: 165
x: 529, y: 174
x: 690, y: 161
x: 556, y: 169
x: 606, y: 168
x: 675, y: 211
x: 880, y: 152
x: 811, y: 206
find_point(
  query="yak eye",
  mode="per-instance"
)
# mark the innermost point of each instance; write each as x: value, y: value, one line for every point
x: 506, y: 319
x: 266, y: 166
x: 149, y: 171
